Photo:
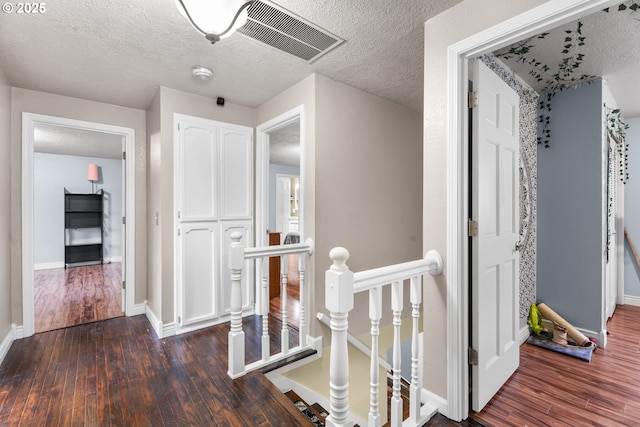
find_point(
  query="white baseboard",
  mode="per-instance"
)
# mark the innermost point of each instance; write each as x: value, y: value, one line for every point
x: 523, y: 334
x: 632, y: 300
x: 48, y: 265
x: 5, y: 345
x: 436, y: 400
x: 140, y: 309
x: 168, y: 329
x: 600, y: 337
x: 156, y: 324
x: 18, y: 331
x: 60, y: 264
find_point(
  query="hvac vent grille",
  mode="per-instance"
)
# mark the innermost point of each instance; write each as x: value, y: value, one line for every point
x: 284, y: 31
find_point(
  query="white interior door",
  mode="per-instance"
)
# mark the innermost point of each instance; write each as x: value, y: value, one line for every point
x: 495, y: 261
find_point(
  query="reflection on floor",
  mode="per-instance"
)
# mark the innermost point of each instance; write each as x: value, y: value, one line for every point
x: 293, y: 296
x: 77, y: 295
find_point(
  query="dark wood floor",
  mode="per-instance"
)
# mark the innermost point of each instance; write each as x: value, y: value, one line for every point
x: 550, y: 389
x: 77, y: 295
x: 116, y: 372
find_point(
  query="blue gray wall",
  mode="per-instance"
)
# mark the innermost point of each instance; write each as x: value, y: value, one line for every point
x: 273, y: 171
x: 52, y: 174
x: 570, y: 208
x: 632, y: 209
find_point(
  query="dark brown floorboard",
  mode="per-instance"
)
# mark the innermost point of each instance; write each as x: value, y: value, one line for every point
x: 117, y: 373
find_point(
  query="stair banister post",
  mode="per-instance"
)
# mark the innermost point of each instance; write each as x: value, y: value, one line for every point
x: 339, y: 302
x: 236, y: 334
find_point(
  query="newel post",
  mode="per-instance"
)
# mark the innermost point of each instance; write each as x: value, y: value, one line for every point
x: 236, y: 334
x: 339, y: 301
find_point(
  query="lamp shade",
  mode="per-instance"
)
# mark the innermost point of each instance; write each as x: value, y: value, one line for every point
x: 215, y: 16
x: 92, y: 172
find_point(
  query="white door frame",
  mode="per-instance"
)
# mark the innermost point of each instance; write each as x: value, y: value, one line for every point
x: 262, y: 179
x: 29, y: 120
x: 546, y: 16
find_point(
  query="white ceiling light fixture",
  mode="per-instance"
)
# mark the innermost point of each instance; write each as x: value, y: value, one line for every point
x: 215, y: 19
x: 201, y: 73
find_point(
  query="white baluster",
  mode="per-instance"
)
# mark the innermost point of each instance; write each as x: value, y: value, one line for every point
x: 302, y: 326
x: 236, y: 334
x: 416, y: 377
x: 396, y: 399
x: 339, y: 301
x: 284, y: 333
x: 375, y: 313
x: 264, y: 288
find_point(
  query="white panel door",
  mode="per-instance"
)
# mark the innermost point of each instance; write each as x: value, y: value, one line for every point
x: 246, y: 228
x: 495, y: 272
x: 198, y: 172
x: 236, y: 173
x: 199, y: 300
x: 283, y: 203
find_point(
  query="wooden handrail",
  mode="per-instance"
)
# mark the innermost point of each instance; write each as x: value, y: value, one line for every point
x: 633, y: 248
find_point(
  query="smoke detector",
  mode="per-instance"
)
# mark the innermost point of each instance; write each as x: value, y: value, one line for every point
x: 201, y: 73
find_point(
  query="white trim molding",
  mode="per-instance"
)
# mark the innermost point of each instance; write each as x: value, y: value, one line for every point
x: 632, y: 300
x: 541, y: 18
x: 139, y: 309
x: 523, y: 334
x: 6, y: 342
x: 156, y: 324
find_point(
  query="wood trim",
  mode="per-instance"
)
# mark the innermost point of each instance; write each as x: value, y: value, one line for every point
x: 8, y: 339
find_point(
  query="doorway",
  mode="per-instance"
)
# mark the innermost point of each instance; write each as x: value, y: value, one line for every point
x: 459, y: 54
x: 279, y: 197
x: 116, y: 245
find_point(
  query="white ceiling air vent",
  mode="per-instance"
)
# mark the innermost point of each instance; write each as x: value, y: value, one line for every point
x: 279, y: 28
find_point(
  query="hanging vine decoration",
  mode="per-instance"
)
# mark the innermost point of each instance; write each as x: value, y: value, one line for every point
x: 566, y: 75
x: 616, y: 132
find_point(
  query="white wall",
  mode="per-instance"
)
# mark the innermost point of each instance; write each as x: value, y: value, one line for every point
x: 53, y: 173
x: 632, y: 210
x: 5, y: 222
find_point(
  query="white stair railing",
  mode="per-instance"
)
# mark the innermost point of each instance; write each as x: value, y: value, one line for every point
x: 238, y: 256
x: 341, y: 286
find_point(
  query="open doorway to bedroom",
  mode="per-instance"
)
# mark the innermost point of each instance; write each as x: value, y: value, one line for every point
x: 77, y: 210
x: 78, y: 232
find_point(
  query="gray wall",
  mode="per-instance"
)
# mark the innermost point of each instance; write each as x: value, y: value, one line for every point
x: 5, y: 212
x: 570, y: 208
x: 632, y: 210
x: 52, y: 174
x: 273, y: 171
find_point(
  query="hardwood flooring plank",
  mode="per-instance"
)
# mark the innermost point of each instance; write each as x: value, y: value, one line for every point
x: 77, y: 295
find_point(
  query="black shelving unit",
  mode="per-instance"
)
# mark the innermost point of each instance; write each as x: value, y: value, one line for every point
x: 82, y: 211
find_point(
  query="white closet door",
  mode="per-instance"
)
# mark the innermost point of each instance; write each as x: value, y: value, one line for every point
x: 198, y: 273
x: 198, y: 178
x: 246, y: 229
x: 236, y: 173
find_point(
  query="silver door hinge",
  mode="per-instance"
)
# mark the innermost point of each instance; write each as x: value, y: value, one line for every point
x: 178, y: 231
x: 124, y: 284
x: 178, y: 214
x: 124, y: 155
x: 473, y: 228
x: 180, y: 320
x: 472, y: 100
x: 473, y: 356
x: 124, y: 219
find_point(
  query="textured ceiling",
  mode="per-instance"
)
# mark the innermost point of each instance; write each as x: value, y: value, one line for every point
x: 284, y: 145
x: 611, y: 50
x: 76, y: 142
x: 121, y: 51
